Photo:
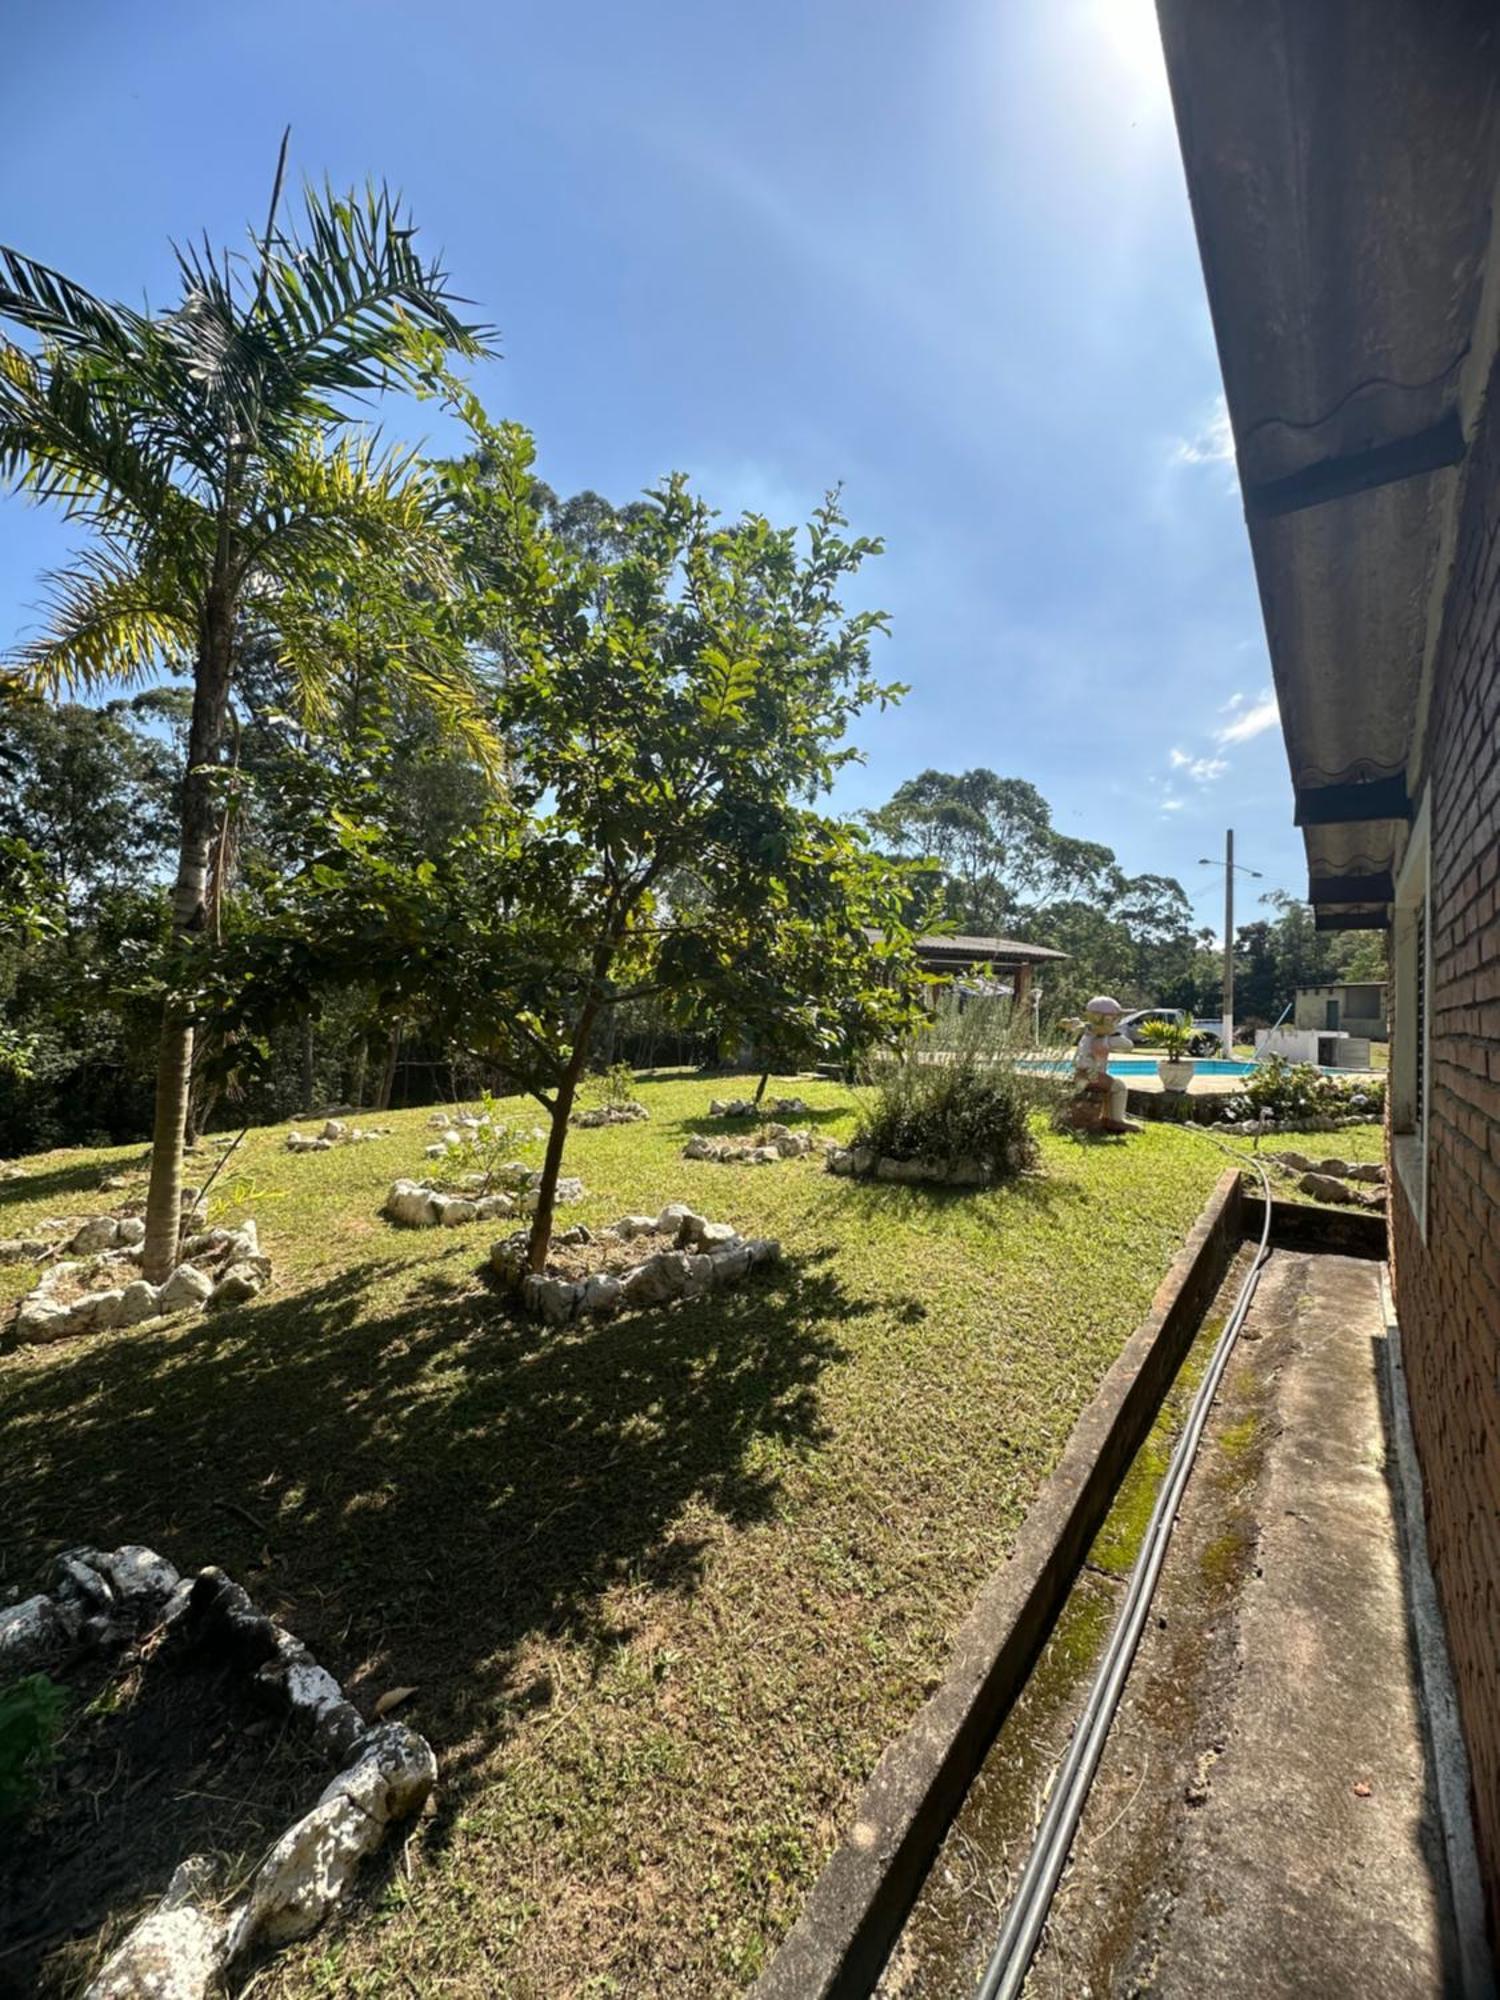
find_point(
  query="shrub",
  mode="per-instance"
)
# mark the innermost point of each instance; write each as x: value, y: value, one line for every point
x: 31, y: 1713
x: 489, y: 1148
x: 957, y: 1092
x: 1288, y: 1091
x: 613, y: 1088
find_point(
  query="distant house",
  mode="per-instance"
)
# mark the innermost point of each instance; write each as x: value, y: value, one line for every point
x: 1343, y: 160
x: 1344, y: 1007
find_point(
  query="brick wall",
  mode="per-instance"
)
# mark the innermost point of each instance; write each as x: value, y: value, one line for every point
x: 1448, y: 1289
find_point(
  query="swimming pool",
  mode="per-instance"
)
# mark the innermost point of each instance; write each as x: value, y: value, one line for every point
x: 1146, y: 1065
x: 1202, y: 1066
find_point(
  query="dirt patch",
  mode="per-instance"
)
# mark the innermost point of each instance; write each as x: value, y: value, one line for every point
x: 155, y: 1763
x: 606, y: 1253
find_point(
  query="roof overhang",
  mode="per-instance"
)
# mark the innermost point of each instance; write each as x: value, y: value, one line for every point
x: 1342, y: 160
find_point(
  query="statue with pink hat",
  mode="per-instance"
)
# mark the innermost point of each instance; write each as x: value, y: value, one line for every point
x: 1091, y: 1065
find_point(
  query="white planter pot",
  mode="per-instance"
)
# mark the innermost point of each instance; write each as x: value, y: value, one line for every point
x: 1175, y: 1075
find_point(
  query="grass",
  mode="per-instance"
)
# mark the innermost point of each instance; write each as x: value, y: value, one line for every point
x: 665, y: 1586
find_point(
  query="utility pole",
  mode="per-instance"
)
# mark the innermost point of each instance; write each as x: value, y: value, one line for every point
x: 1230, y: 866
x: 1227, y: 1034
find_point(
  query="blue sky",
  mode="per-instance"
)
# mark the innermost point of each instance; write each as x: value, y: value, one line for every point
x: 938, y: 251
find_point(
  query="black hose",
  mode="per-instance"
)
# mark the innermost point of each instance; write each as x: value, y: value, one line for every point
x: 1006, y: 1971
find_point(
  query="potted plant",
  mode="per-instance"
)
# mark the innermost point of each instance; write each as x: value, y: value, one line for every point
x: 1173, y: 1038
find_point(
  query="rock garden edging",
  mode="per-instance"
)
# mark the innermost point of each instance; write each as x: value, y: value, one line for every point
x: 705, y: 1256
x: 385, y: 1771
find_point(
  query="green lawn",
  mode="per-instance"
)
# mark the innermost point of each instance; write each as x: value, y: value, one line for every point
x: 665, y: 1586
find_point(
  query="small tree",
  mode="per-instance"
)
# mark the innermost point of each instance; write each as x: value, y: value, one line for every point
x: 672, y: 710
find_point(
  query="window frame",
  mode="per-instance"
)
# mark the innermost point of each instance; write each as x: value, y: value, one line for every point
x: 1411, y: 1030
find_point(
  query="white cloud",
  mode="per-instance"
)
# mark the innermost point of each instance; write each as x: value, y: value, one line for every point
x: 1248, y: 722
x: 1171, y: 805
x: 1203, y: 770
x: 1214, y: 442
x: 1179, y: 758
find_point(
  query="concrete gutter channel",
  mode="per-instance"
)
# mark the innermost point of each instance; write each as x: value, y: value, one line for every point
x: 912, y: 1900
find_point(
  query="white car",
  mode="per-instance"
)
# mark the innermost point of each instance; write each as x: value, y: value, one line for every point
x: 1203, y: 1036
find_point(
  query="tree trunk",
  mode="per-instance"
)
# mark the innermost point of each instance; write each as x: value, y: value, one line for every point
x: 760, y: 1088
x: 562, y: 1106
x: 388, y: 1078
x: 189, y: 894
x: 307, y: 1067
x: 361, y: 1064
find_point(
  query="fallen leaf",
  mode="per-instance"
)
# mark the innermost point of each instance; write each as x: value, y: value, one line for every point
x: 392, y: 1698
x: 1361, y: 1790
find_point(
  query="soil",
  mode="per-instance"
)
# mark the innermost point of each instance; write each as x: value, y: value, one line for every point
x: 155, y: 1762
x: 582, y: 1260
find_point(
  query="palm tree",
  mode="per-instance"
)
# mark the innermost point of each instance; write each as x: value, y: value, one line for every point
x: 212, y: 452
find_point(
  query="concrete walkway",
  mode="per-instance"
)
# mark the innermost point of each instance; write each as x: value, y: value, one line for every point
x: 1263, y: 1822
x: 1293, y: 1847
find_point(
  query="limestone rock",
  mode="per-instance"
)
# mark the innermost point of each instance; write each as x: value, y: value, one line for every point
x: 601, y: 1293
x: 42, y: 1319
x: 175, y: 1953
x: 187, y: 1286
x: 139, y: 1577
x: 635, y: 1225
x: 98, y: 1233
x: 97, y: 1312
x: 716, y: 1235
x: 23, y: 1249
x: 237, y: 1287
x: 453, y: 1211
x: 313, y: 1862
x: 1323, y: 1187
x: 138, y: 1301
x: 32, y: 1633
x: 554, y: 1299
x: 410, y: 1204
x: 129, y: 1232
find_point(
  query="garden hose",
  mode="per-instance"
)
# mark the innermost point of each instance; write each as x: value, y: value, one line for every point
x: 1006, y: 1971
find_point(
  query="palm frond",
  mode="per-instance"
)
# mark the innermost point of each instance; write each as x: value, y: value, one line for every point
x: 109, y: 623
x: 61, y: 313
x: 350, y: 305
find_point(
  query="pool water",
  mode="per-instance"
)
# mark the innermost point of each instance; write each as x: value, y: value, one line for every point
x: 1202, y: 1066
x: 1146, y: 1066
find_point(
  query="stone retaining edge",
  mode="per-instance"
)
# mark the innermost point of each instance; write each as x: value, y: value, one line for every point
x: 839, y: 1944
x: 1302, y: 1225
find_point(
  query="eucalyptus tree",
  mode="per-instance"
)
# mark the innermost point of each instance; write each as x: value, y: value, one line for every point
x: 213, y: 454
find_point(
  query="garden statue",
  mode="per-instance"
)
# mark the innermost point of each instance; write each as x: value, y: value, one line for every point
x: 1091, y: 1066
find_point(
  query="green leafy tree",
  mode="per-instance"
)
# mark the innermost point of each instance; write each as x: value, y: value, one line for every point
x: 208, y: 451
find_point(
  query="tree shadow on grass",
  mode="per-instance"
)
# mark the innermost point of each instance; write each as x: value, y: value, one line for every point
x: 742, y: 1128
x: 439, y: 1483
x: 85, y: 1177
x: 929, y: 1202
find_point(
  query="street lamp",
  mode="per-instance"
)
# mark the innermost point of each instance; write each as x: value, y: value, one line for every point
x: 1231, y: 868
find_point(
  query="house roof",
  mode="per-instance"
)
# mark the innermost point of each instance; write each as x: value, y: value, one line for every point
x: 1342, y: 162
x: 987, y: 950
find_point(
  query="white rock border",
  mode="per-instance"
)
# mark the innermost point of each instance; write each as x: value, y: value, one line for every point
x: 864, y: 1163
x: 384, y: 1771
x: 237, y: 1271
x: 632, y: 1113
x: 746, y: 1107
x: 335, y: 1133
x: 706, y: 1256
x: 781, y: 1143
x: 416, y: 1205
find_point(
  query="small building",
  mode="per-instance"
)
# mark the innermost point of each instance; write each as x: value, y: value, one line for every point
x: 1343, y: 1007
x: 1001, y: 964
x: 1343, y: 161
